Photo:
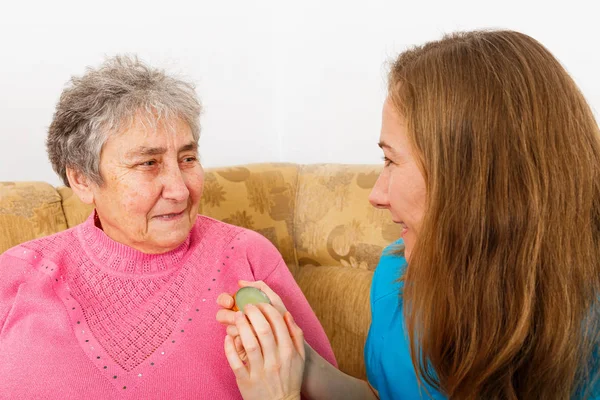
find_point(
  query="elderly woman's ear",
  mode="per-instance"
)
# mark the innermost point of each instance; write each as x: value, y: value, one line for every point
x: 80, y: 185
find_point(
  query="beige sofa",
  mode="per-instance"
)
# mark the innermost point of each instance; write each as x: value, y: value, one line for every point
x: 318, y: 216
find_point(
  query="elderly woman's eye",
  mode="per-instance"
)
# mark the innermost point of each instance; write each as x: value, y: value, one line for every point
x: 148, y: 163
x: 189, y: 159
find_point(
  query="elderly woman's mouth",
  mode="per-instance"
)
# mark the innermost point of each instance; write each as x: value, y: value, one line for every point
x: 169, y: 217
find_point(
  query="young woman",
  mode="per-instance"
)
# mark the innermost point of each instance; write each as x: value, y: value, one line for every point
x: 492, y: 167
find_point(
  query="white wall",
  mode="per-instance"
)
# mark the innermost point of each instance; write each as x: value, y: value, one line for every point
x: 279, y: 80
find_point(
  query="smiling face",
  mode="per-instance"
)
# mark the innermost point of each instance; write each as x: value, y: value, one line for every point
x: 152, y: 186
x: 400, y: 187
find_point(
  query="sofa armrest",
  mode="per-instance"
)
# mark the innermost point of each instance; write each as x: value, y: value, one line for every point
x: 28, y: 210
x: 340, y: 298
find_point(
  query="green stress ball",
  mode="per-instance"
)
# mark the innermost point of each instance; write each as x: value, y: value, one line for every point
x: 249, y: 295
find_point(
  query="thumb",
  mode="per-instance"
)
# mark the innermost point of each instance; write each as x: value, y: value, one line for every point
x: 296, y: 334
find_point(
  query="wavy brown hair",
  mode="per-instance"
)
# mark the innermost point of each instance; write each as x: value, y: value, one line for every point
x: 502, y: 286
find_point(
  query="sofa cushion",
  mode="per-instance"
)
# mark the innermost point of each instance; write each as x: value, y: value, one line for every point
x: 260, y: 197
x: 334, y: 223
x: 28, y: 210
x: 340, y: 298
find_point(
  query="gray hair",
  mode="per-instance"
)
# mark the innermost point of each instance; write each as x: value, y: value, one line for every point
x: 104, y: 101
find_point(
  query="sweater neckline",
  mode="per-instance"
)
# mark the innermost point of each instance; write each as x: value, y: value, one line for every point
x: 119, y: 257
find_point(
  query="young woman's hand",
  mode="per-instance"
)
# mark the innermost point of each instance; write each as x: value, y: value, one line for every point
x: 226, y: 315
x: 274, y: 354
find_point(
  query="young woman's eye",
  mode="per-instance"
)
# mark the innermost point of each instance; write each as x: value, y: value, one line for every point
x: 387, y: 161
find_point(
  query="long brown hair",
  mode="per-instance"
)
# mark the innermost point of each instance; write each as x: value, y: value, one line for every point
x: 501, y: 293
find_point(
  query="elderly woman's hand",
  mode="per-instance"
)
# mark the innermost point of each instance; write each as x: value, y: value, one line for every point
x: 274, y: 346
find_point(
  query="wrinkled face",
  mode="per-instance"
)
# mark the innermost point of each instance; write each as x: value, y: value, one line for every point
x: 400, y: 187
x: 152, y: 186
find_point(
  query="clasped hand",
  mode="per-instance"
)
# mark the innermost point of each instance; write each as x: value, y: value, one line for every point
x: 264, y: 347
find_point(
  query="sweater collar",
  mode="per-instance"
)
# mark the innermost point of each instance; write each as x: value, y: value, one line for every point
x: 122, y: 258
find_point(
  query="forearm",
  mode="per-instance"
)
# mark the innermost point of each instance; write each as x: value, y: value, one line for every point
x: 324, y: 381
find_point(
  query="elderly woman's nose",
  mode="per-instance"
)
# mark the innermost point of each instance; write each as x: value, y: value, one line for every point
x: 174, y: 185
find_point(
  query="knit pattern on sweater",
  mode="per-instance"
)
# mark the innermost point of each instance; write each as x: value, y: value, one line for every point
x: 131, y: 301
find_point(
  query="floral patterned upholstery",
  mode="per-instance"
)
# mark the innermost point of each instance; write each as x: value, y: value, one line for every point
x: 334, y: 222
x: 28, y: 210
x: 318, y: 216
x: 260, y: 197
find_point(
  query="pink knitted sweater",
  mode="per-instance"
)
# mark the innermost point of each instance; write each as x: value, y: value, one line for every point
x: 85, y: 317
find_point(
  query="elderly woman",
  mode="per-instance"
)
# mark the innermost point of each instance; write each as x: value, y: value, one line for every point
x: 492, y: 168
x: 122, y: 306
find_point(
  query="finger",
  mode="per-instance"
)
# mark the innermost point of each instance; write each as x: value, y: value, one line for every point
x: 264, y: 332
x: 226, y: 317
x: 274, y: 297
x: 239, y: 347
x: 296, y: 333
x: 225, y: 300
x: 251, y: 345
x: 235, y: 363
x: 232, y: 331
x: 279, y: 326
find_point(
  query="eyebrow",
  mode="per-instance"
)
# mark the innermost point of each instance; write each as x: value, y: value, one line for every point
x: 154, y: 151
x: 383, y: 144
x: 392, y: 151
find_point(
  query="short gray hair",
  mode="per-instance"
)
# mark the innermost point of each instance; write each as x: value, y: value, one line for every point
x: 103, y: 101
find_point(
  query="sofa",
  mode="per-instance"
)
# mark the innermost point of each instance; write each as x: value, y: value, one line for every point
x: 318, y: 216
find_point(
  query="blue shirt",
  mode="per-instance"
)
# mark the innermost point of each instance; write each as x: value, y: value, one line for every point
x: 387, y: 352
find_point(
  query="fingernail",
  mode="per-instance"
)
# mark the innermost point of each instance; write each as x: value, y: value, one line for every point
x: 249, y: 307
x: 239, y: 315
